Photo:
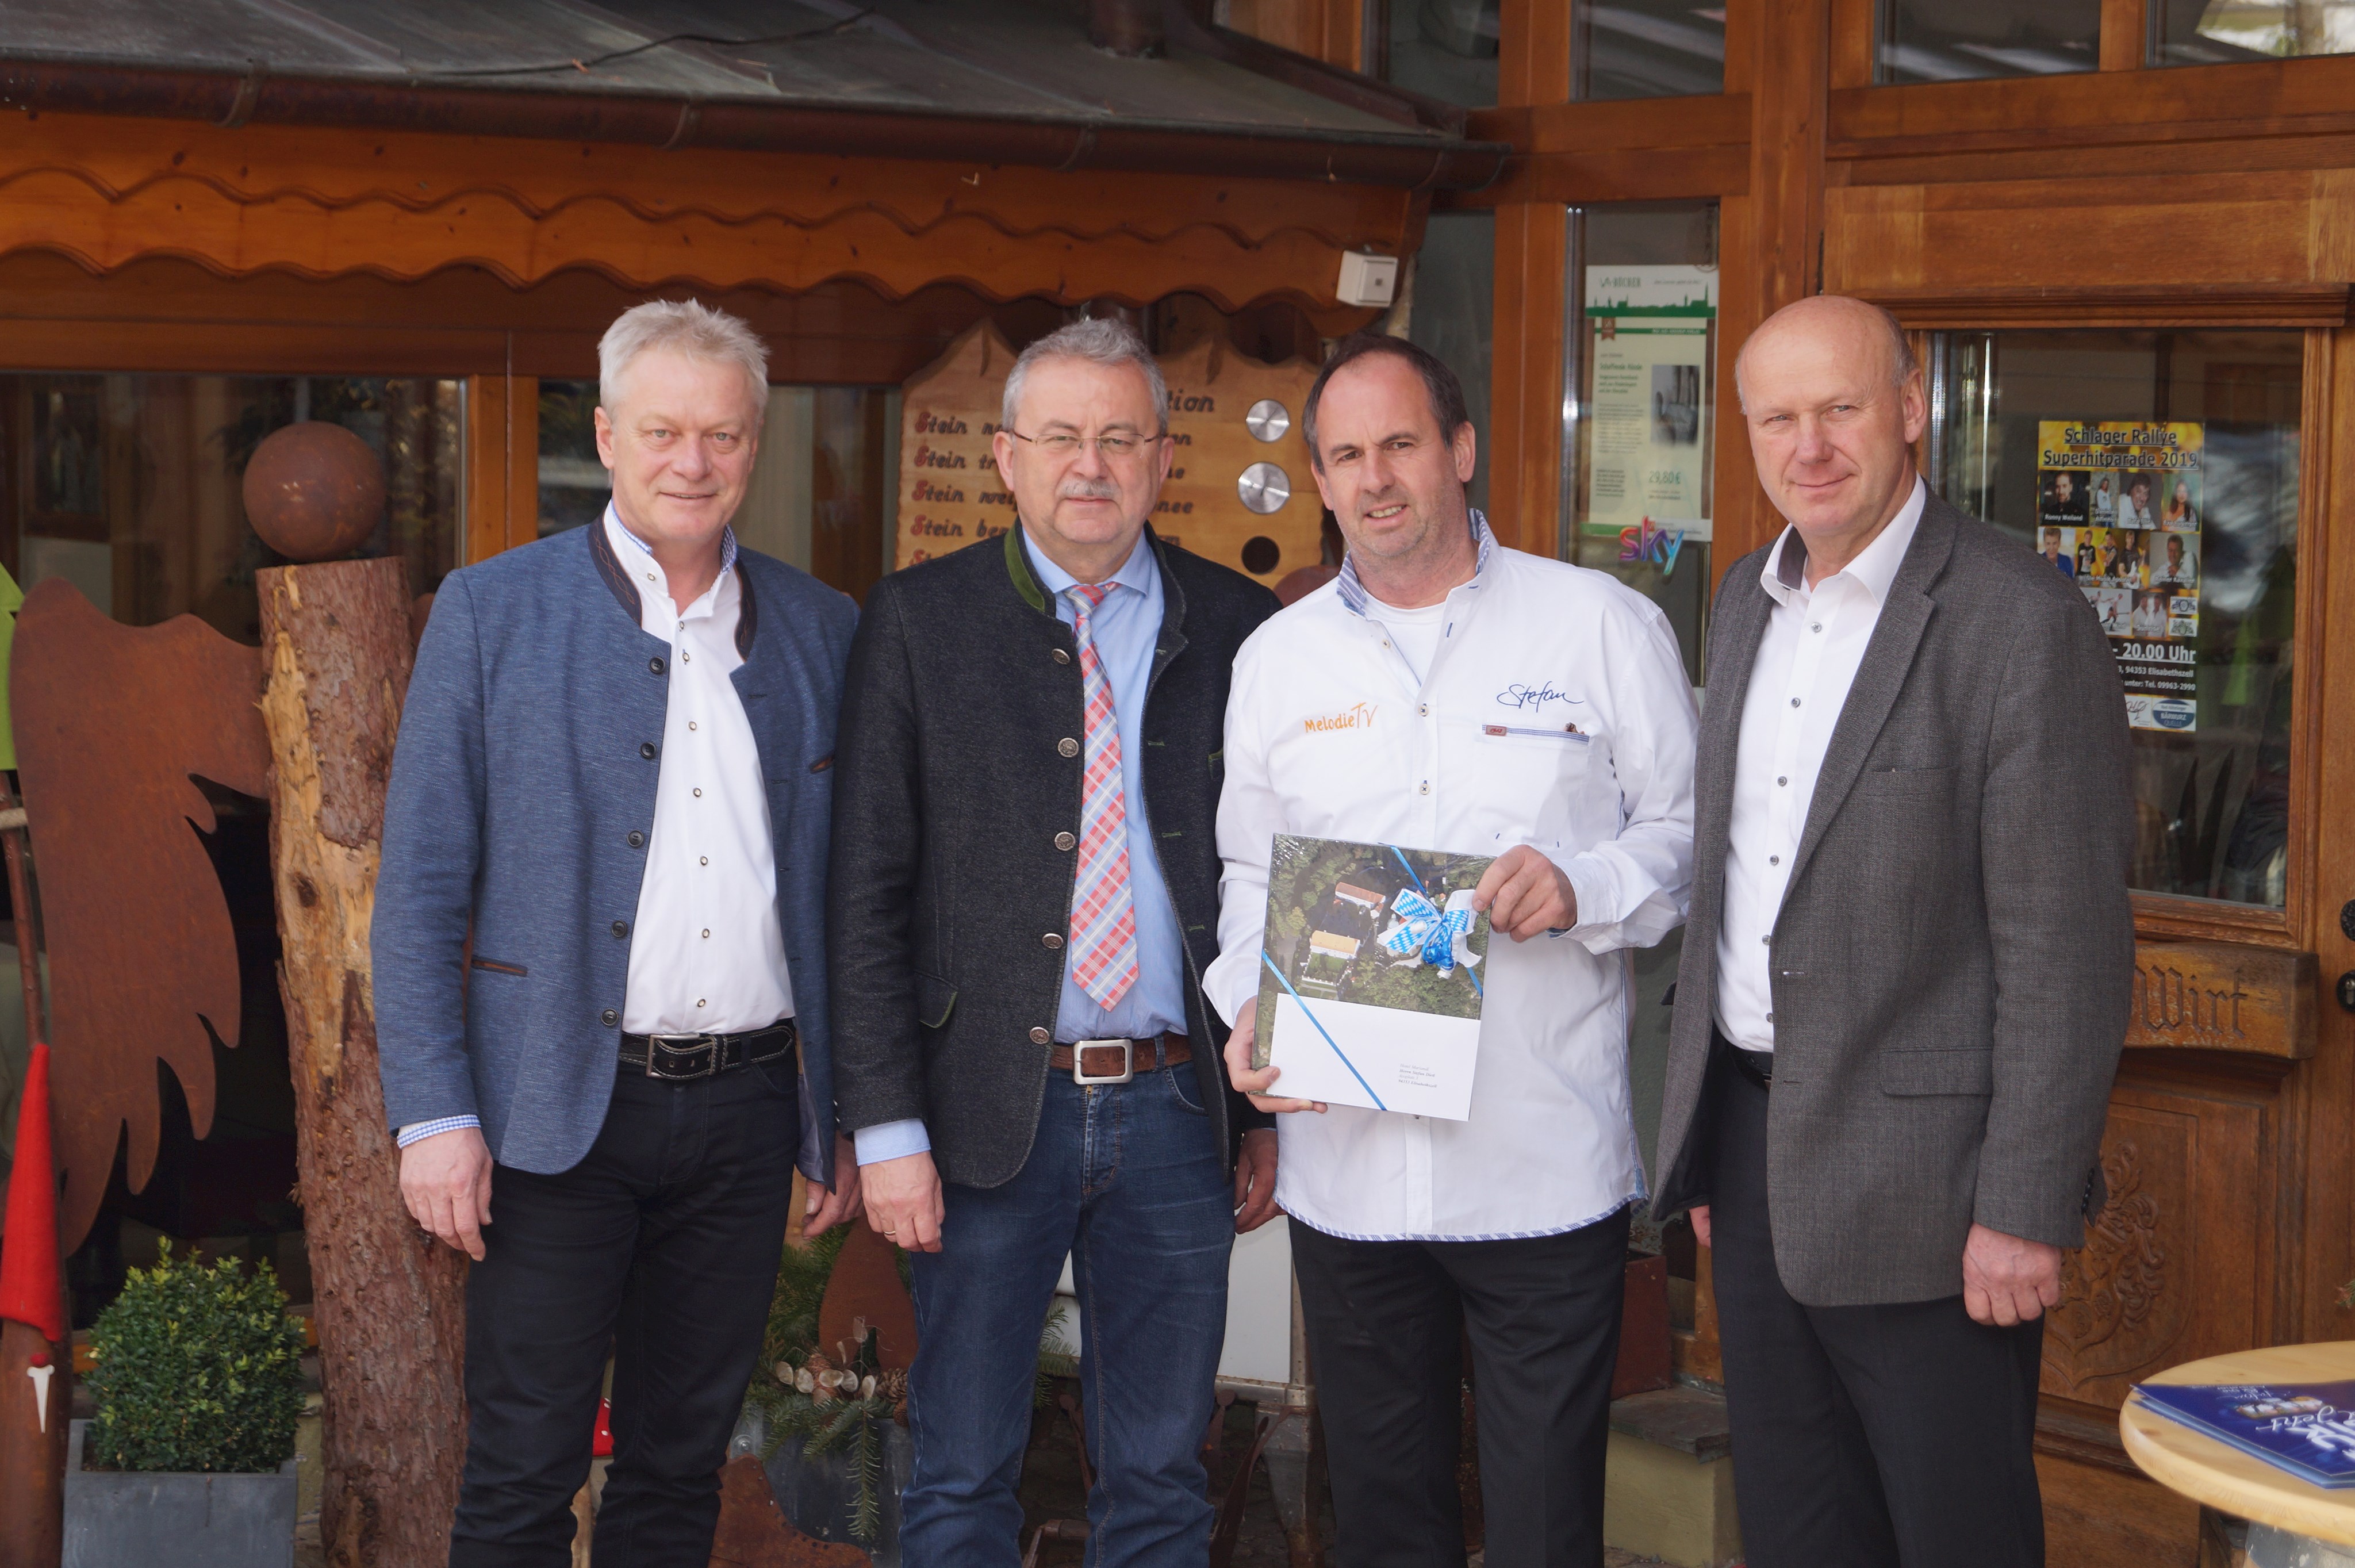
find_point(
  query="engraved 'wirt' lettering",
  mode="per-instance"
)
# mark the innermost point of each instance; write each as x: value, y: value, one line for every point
x: 2175, y: 1001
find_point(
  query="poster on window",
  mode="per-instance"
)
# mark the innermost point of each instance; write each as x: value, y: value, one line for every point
x: 2118, y: 510
x: 1646, y: 470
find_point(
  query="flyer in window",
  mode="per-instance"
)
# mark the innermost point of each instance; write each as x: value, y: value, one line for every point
x: 1372, y: 972
x: 2118, y: 510
x: 1645, y: 474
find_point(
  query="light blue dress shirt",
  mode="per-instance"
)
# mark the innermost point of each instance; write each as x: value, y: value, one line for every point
x: 1127, y: 626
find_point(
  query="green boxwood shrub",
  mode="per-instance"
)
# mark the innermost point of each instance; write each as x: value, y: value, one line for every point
x: 198, y: 1369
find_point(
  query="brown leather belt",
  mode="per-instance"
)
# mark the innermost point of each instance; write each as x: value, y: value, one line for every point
x: 1118, y: 1061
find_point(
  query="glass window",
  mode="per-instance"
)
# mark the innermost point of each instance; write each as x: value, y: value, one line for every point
x: 1441, y: 48
x: 1638, y: 403
x: 1453, y: 315
x: 1936, y: 40
x: 1645, y: 49
x: 2159, y: 471
x: 2211, y: 32
x: 130, y: 487
x: 821, y: 495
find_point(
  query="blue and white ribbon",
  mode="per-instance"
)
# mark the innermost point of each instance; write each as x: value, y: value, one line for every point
x: 1424, y: 933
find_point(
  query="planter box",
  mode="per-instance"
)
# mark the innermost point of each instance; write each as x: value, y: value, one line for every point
x: 819, y: 1494
x: 119, y: 1517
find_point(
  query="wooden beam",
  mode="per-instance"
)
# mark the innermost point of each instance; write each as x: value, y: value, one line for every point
x: 2093, y: 305
x: 1533, y: 65
x: 1855, y: 25
x: 2126, y: 33
x: 1786, y: 149
x: 502, y: 463
x: 1637, y: 150
x: 1525, y: 407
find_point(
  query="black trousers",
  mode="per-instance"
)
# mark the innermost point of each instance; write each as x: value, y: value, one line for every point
x: 1885, y: 1436
x: 660, y: 1246
x: 1387, y: 1322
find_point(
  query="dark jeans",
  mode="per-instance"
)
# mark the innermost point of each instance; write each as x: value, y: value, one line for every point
x: 660, y: 1246
x: 1387, y: 1322
x: 1885, y: 1436
x: 1127, y: 1180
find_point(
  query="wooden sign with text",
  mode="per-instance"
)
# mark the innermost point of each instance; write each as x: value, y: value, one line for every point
x: 1239, y: 491
x: 2219, y: 995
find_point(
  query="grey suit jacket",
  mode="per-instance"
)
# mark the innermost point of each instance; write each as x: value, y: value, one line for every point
x: 1953, y: 960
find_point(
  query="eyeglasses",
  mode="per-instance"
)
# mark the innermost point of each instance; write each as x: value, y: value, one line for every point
x: 1061, y: 444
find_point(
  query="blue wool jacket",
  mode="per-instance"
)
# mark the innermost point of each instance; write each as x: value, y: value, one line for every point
x: 529, y: 755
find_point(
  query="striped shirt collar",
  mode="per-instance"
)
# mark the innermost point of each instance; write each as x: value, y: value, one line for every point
x: 1353, y: 592
x: 727, y: 538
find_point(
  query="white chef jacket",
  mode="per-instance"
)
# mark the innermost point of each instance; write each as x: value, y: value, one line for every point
x: 1330, y: 734
x: 1807, y: 658
x: 707, y: 952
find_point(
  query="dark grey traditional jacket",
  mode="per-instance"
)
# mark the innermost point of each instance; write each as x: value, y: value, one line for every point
x: 1953, y: 962
x: 949, y: 792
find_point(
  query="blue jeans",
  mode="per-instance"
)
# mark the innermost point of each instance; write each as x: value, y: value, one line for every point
x: 1128, y: 1180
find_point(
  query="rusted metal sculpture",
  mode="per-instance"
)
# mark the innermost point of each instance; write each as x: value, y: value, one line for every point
x: 113, y: 725
x: 390, y: 1305
x: 313, y: 491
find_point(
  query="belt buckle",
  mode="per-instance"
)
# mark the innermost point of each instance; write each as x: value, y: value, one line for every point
x: 1082, y: 1077
x: 659, y: 1049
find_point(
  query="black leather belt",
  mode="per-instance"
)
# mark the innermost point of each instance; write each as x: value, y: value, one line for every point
x: 688, y: 1056
x: 1758, y: 1066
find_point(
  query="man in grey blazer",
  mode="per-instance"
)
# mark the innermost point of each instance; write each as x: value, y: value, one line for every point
x: 1905, y: 978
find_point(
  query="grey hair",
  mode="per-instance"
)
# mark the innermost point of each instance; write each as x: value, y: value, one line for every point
x: 684, y: 326
x: 1100, y: 340
x: 1903, y: 366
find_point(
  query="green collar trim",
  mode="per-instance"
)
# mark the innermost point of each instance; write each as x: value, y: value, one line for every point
x: 1017, y: 567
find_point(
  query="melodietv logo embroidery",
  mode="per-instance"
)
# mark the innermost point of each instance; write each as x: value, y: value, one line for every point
x: 1359, y: 717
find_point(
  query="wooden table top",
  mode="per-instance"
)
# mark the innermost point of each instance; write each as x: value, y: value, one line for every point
x: 2223, y: 1476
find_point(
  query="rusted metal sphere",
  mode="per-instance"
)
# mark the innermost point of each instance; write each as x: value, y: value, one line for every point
x: 313, y: 491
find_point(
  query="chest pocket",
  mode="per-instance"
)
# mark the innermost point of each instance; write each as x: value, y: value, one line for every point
x: 1531, y: 783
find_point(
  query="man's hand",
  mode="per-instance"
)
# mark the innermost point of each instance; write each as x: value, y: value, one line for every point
x: 1255, y: 1081
x: 1700, y: 1215
x: 2007, y: 1280
x: 903, y: 1201
x: 1255, y: 1181
x: 446, y: 1181
x: 1526, y: 895
x: 831, y: 1206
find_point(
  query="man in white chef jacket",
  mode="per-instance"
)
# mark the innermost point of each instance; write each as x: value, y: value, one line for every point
x: 1447, y: 693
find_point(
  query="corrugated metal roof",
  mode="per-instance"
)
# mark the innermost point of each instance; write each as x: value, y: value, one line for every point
x: 1022, y: 60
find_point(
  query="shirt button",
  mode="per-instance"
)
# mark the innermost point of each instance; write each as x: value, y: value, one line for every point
x: 1064, y: 841
x: 637, y: 839
x: 1423, y: 711
x: 621, y: 928
x: 698, y: 1001
x: 703, y: 860
x: 1783, y: 781
x: 1774, y: 860
x: 1068, y: 746
x: 647, y: 750
x: 1038, y: 1037
x: 686, y: 658
x: 707, y: 934
x: 609, y: 1018
x: 1770, y: 1017
x: 650, y: 577
x: 1061, y: 658
x: 1050, y: 941
x: 654, y: 664
x: 1794, y: 702
x: 691, y: 724
x: 1425, y: 789
x: 698, y: 792
x: 1816, y: 628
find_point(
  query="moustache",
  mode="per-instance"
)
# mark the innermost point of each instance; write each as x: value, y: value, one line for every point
x: 1087, y: 490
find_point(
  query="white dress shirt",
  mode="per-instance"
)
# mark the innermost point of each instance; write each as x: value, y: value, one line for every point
x: 1331, y: 733
x: 707, y: 954
x: 1807, y: 658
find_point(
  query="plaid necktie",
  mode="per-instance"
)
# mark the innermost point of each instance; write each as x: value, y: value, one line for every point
x: 1104, y: 921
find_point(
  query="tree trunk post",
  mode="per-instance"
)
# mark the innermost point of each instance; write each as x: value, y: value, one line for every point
x: 389, y: 1300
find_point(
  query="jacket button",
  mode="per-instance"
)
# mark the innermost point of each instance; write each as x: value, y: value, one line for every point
x: 1064, y: 841
x: 1051, y: 941
x: 637, y: 839
x: 655, y: 665
x: 1068, y: 746
x: 647, y: 750
x: 1040, y: 1037
x: 621, y: 928
x: 609, y: 1018
x: 1063, y: 657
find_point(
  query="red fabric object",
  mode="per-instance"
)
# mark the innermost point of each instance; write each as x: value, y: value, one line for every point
x: 603, y: 1447
x: 32, y: 1288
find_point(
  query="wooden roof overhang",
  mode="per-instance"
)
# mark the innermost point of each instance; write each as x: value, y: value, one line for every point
x: 1013, y: 161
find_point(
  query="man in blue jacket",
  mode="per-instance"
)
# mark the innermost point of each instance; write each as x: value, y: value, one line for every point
x: 601, y: 964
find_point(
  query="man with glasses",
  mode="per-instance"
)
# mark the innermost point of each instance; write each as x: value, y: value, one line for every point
x: 1024, y: 892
